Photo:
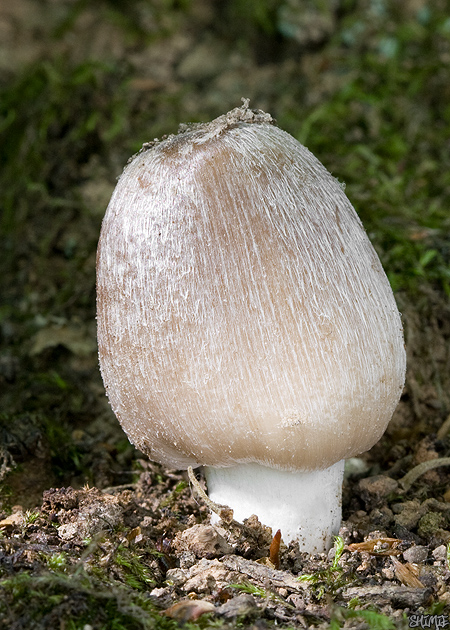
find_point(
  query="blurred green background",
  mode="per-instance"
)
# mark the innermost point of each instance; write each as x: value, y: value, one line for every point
x: 365, y: 84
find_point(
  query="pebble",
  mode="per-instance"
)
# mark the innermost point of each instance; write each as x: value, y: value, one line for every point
x: 440, y: 553
x: 416, y: 554
x: 375, y: 489
x: 205, y: 541
x: 239, y: 606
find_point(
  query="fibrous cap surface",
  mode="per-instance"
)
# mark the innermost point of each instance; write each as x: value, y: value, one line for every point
x: 243, y: 314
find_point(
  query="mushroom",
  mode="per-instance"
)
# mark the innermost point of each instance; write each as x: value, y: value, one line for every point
x: 245, y: 323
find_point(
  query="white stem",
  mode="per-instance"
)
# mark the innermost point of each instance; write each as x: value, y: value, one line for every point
x: 305, y: 506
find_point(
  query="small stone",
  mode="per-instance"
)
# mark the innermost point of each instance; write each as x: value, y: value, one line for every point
x: 162, y: 596
x: 100, y: 515
x: 414, y: 505
x: 186, y: 559
x: 381, y: 517
x: 396, y: 595
x: 205, y: 541
x: 298, y: 601
x: 440, y: 553
x: 68, y: 531
x: 204, y: 577
x: 331, y: 554
x: 13, y: 520
x: 375, y: 489
x: 428, y: 578
x: 176, y: 577
x: 388, y: 573
x: 240, y: 606
x: 416, y: 555
x: 408, y: 514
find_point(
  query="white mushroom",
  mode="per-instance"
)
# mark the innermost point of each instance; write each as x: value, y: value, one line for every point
x: 245, y: 322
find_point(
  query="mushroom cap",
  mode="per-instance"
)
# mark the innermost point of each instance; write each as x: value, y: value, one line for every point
x: 243, y: 314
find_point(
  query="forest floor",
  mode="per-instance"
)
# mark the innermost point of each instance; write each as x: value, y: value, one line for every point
x: 92, y: 534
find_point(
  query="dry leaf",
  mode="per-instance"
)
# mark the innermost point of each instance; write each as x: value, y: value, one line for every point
x: 377, y: 547
x: 134, y: 535
x: 406, y: 574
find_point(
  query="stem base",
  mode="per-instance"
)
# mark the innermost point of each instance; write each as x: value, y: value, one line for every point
x: 305, y: 506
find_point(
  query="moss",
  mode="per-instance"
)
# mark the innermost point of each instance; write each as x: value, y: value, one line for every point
x: 382, y: 130
x: 371, y: 619
x: 430, y: 524
x: 30, y: 602
x: 328, y: 580
x: 135, y: 573
x: 172, y: 497
x: 53, y: 117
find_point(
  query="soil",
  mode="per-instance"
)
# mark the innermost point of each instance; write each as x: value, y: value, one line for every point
x: 93, y: 535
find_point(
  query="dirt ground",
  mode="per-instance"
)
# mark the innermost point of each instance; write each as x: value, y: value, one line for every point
x: 92, y: 534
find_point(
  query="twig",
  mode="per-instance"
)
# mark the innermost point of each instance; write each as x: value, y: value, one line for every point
x: 407, y: 481
x: 445, y: 428
x: 223, y: 511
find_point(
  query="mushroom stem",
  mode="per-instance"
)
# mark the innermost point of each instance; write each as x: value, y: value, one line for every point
x: 304, y: 505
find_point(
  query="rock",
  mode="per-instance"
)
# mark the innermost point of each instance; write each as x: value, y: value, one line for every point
x: 392, y: 594
x: 240, y: 606
x: 82, y: 513
x: 381, y: 517
x: 186, y: 559
x: 428, y: 578
x: 91, y: 520
x: 297, y: 600
x: 68, y: 531
x: 162, y: 596
x: 263, y: 574
x: 209, y: 575
x: 13, y: 520
x: 408, y: 514
x: 204, y: 577
x: 440, y: 553
x: 416, y: 555
x: 205, y: 541
x: 375, y: 489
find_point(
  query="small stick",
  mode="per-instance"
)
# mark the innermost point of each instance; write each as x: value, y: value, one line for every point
x: 407, y: 481
x: 223, y: 511
x: 445, y: 428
